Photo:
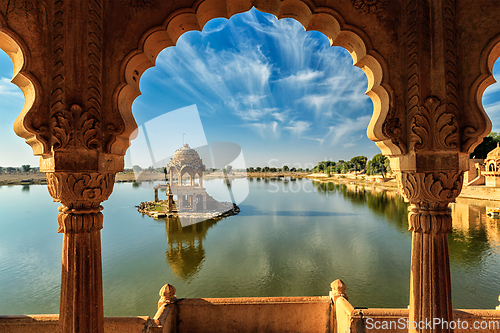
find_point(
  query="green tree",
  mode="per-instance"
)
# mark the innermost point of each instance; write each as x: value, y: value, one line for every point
x: 136, y: 168
x: 340, y: 166
x: 379, y: 164
x: 358, y: 162
x: 10, y: 170
x: 489, y: 143
x: 286, y: 168
x: 25, y: 167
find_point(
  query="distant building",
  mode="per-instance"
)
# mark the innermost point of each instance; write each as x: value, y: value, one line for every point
x: 191, y: 196
x: 185, y: 191
x: 492, y: 167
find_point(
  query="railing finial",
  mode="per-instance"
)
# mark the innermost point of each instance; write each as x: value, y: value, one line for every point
x: 167, y: 295
x: 338, y: 289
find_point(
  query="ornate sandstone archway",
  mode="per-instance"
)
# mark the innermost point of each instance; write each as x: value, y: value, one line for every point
x: 324, y: 20
x: 79, y: 64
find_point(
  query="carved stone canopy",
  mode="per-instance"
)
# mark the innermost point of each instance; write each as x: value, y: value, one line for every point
x: 188, y: 160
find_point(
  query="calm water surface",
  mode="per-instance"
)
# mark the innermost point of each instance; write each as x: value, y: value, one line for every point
x: 290, y: 239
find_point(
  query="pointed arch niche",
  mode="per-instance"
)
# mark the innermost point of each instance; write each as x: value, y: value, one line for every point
x: 324, y: 20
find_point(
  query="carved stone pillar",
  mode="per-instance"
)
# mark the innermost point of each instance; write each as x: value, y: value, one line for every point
x: 429, y: 194
x: 81, y: 220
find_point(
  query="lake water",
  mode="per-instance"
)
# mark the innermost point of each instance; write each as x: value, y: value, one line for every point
x: 290, y: 239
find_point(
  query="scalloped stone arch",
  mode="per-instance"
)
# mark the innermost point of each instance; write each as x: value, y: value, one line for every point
x: 488, y: 58
x: 324, y: 20
x: 187, y: 170
x: 18, y: 52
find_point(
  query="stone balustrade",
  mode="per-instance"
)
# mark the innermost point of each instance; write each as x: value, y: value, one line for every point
x: 331, y: 313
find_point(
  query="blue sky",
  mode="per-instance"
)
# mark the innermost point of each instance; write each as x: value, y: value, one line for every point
x: 282, y: 94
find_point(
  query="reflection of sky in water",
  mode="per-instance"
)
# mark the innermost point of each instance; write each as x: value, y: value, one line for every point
x: 290, y: 239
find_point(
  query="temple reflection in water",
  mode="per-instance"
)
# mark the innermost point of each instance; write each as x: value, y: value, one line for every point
x: 185, y: 252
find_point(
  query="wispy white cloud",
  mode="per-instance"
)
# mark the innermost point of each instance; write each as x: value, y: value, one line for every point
x: 252, y: 114
x: 9, y: 89
x: 492, y: 90
x: 492, y: 108
x: 280, y: 116
x: 297, y: 127
x: 303, y: 77
x: 252, y: 99
x: 215, y: 25
x: 265, y: 129
x: 347, y: 130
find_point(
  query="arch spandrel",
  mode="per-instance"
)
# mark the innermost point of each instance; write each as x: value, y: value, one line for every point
x: 27, y: 125
x: 325, y: 20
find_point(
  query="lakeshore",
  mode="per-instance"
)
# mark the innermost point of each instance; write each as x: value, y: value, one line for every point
x: 33, y: 178
x: 389, y: 184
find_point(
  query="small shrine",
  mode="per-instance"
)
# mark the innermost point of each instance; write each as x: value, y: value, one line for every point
x: 492, y: 168
x: 186, y: 196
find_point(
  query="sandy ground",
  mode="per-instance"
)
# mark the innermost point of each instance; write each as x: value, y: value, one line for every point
x: 473, y: 192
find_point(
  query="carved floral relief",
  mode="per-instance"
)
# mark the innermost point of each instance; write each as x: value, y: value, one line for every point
x: 369, y: 6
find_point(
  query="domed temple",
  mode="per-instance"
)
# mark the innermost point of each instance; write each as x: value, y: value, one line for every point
x: 190, y: 196
x: 187, y: 198
x: 492, y: 168
x: 79, y: 65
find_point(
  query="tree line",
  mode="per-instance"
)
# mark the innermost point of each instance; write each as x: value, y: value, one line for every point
x: 285, y: 168
x: 379, y: 164
x: 23, y: 168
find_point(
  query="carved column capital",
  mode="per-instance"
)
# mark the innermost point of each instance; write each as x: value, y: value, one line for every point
x: 431, y: 190
x: 80, y: 195
x: 429, y: 194
x: 80, y: 190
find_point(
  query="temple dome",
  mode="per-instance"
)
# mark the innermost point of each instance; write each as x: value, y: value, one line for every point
x: 186, y: 156
x: 494, y: 154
